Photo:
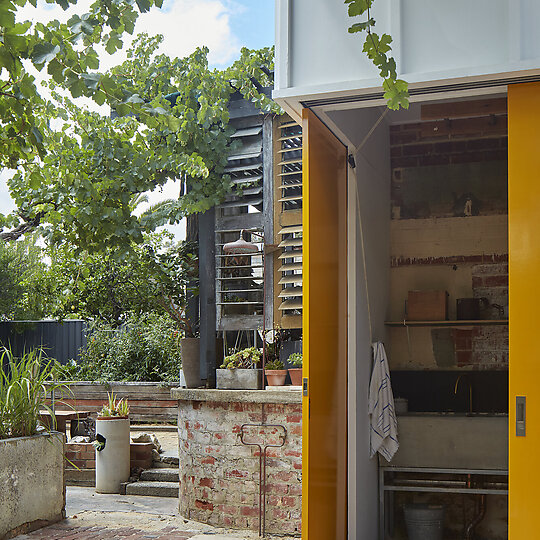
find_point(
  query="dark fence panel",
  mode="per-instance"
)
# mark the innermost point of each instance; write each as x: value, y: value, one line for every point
x: 60, y: 339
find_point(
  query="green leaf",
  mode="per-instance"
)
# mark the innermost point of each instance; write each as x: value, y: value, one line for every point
x: 44, y: 52
x: 358, y: 7
x: 361, y: 27
x: 91, y: 80
x: 35, y: 180
x: 144, y: 5
x: 37, y: 135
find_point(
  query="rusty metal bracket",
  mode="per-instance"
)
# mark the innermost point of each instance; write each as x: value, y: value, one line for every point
x: 262, y: 466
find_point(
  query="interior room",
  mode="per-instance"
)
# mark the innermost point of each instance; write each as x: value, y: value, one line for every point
x: 428, y: 275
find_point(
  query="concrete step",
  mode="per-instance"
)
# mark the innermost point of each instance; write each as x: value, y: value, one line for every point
x: 160, y: 474
x: 153, y: 489
x: 167, y: 462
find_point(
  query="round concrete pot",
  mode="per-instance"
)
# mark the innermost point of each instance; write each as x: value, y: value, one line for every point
x: 275, y: 377
x: 191, y: 363
x: 296, y: 376
x: 112, y: 462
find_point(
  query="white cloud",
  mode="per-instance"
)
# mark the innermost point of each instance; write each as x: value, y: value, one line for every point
x: 187, y: 24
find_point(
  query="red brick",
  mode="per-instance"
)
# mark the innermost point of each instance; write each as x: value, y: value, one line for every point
x: 204, y: 505
x: 294, y: 418
x: 496, y: 281
x: 208, y: 460
x: 463, y: 357
x: 249, y: 511
x: 208, y: 482
x: 237, y: 474
x: 228, y: 509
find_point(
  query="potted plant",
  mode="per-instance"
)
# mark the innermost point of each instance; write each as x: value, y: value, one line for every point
x: 295, y: 359
x: 239, y: 371
x: 112, y: 445
x: 32, y: 456
x: 275, y: 373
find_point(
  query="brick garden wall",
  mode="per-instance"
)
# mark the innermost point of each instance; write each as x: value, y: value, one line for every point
x: 83, y: 456
x: 219, y: 476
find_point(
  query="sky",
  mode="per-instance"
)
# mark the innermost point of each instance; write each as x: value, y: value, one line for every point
x: 224, y: 26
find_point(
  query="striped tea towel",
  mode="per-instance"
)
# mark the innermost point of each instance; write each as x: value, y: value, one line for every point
x: 383, y: 424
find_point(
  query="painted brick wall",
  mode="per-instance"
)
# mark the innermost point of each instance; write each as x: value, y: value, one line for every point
x: 219, y: 476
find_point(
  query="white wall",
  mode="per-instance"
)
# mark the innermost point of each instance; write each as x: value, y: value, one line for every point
x: 435, y: 40
x: 369, y: 253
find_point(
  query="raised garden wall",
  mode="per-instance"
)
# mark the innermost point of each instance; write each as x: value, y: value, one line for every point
x: 32, y: 488
x: 148, y: 401
x: 219, y: 476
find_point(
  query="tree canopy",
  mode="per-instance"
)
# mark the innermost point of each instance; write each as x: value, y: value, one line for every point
x: 78, y: 181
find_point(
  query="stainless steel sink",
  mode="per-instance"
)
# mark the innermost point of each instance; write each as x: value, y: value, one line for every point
x: 452, y: 441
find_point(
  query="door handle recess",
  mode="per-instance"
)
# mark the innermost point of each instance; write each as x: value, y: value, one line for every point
x: 521, y: 416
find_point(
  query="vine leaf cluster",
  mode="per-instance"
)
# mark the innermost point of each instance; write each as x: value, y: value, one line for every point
x: 377, y: 49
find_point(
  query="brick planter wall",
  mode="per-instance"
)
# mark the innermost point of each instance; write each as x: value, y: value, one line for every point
x: 219, y: 476
x: 83, y: 456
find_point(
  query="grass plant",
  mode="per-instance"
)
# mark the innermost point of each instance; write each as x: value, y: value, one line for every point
x: 24, y: 384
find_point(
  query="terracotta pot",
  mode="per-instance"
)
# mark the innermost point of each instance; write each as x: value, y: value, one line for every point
x: 275, y: 377
x: 296, y: 376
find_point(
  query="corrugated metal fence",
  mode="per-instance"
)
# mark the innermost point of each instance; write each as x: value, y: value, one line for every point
x: 60, y: 339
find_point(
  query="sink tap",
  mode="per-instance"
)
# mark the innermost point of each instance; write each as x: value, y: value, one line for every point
x: 470, y: 389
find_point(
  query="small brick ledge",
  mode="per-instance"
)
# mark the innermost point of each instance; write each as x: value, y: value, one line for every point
x: 219, y: 476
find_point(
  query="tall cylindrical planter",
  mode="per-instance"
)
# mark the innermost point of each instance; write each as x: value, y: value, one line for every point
x: 112, y: 461
x: 191, y: 362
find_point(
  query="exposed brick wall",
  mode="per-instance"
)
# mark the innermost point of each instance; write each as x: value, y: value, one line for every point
x: 83, y: 456
x: 219, y: 476
x: 486, y: 347
x: 444, y: 142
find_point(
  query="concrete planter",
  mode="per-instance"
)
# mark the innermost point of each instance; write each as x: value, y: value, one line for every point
x: 239, y: 379
x: 191, y: 362
x: 32, y: 488
x: 112, y: 462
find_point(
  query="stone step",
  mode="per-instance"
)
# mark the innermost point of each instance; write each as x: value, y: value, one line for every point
x: 166, y: 462
x: 160, y: 474
x: 153, y: 489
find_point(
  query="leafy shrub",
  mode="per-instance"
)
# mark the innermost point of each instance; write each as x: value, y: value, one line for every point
x: 146, y: 348
x: 295, y: 359
x: 244, y: 359
x: 23, y: 392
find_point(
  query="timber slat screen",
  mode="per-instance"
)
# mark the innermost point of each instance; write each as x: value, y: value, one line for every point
x: 239, y: 279
x: 288, y: 220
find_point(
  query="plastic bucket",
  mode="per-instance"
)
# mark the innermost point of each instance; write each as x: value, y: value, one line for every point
x: 424, y: 521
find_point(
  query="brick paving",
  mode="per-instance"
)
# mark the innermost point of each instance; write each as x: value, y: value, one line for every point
x: 71, y: 530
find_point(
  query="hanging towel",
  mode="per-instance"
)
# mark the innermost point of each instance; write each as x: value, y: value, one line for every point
x: 383, y: 424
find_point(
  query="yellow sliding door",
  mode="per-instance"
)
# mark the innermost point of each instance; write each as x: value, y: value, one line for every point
x: 324, y: 513
x: 524, y: 295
